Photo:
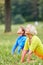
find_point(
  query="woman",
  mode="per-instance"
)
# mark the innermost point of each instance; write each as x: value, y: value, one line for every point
x: 20, y: 40
x: 33, y: 44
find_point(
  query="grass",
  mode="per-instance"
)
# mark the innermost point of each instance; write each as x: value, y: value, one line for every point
x: 6, y: 42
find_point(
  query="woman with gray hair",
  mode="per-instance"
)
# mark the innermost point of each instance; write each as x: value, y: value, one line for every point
x: 33, y: 44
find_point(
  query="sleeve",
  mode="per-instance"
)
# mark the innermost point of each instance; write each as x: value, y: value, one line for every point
x: 23, y: 42
x: 26, y: 44
x: 34, y: 44
x: 19, y: 49
x: 14, y: 47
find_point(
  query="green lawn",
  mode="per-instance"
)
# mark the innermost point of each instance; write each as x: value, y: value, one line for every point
x: 6, y: 42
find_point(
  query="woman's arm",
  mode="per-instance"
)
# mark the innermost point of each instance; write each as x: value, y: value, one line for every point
x: 14, y: 47
x: 29, y: 56
x: 23, y: 55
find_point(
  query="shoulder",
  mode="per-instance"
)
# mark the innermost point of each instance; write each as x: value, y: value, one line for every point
x: 18, y: 37
x: 24, y: 37
x: 35, y: 37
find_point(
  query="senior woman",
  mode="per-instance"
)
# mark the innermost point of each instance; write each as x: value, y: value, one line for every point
x: 33, y: 44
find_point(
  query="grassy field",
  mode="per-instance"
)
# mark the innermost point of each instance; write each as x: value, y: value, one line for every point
x: 6, y: 42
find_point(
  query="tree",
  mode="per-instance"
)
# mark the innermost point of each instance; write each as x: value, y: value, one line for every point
x: 35, y: 9
x: 41, y: 10
x: 27, y: 8
x: 7, y: 16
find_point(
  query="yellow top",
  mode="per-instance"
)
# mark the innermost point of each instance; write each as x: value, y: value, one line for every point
x: 36, y: 46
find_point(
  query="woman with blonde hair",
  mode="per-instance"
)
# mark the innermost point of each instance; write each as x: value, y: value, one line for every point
x: 20, y: 40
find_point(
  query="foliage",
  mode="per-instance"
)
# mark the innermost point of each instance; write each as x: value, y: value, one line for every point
x: 2, y: 14
x: 18, y: 19
x: 29, y: 9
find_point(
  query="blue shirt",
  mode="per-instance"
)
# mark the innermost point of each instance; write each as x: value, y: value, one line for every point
x: 20, y: 42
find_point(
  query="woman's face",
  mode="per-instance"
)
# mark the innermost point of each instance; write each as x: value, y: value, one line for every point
x: 28, y: 33
x: 20, y: 32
